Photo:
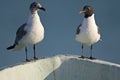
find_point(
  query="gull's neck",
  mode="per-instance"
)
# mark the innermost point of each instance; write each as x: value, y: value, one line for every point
x: 89, y: 21
x: 33, y: 18
x: 34, y: 12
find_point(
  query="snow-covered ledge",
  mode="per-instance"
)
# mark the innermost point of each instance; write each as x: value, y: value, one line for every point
x: 62, y: 67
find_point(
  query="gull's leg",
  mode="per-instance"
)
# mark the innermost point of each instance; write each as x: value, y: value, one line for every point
x: 34, y: 52
x: 91, y: 47
x: 82, y: 47
x: 26, y: 54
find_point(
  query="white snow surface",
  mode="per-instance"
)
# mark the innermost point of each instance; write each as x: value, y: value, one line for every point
x: 62, y: 67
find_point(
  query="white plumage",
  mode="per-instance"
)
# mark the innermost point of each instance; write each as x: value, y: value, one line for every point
x: 31, y: 32
x: 88, y: 32
x: 34, y: 29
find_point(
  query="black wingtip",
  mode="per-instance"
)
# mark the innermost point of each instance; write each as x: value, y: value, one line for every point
x: 11, y: 47
x: 78, y: 29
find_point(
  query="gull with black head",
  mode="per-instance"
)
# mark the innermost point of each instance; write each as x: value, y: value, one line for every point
x: 31, y: 32
x: 88, y: 32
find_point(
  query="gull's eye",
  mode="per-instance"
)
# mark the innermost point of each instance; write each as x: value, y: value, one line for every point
x: 34, y: 5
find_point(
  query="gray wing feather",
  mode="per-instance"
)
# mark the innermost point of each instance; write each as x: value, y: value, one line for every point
x: 78, y: 29
x: 98, y: 30
x: 20, y: 33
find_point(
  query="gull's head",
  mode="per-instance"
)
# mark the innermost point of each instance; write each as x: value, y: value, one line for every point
x: 35, y: 6
x: 87, y: 10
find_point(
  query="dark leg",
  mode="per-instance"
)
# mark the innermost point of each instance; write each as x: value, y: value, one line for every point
x: 26, y: 54
x: 34, y: 52
x: 91, y: 47
x: 82, y: 51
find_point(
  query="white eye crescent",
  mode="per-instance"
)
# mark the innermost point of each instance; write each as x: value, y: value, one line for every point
x: 89, y: 8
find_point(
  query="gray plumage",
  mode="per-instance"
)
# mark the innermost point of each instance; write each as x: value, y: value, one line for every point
x: 78, y: 29
x: 88, y: 33
x: 31, y: 32
x: 19, y: 35
x: 98, y: 30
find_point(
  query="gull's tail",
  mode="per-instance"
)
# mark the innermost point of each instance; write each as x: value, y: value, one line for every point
x: 11, y: 47
x: 15, y: 47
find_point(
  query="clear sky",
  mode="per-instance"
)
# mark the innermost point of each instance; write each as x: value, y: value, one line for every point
x: 60, y: 22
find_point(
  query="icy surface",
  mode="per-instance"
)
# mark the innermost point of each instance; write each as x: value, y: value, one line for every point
x: 62, y: 67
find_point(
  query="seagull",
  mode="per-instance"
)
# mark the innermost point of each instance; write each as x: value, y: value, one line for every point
x: 88, y: 32
x: 31, y: 32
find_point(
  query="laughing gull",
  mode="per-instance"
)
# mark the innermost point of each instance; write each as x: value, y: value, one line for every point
x: 31, y: 32
x: 88, y: 32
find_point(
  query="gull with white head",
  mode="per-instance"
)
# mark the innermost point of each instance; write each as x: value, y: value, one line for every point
x: 31, y: 32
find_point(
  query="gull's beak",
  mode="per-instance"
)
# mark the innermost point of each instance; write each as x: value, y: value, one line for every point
x: 82, y: 11
x: 42, y: 8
